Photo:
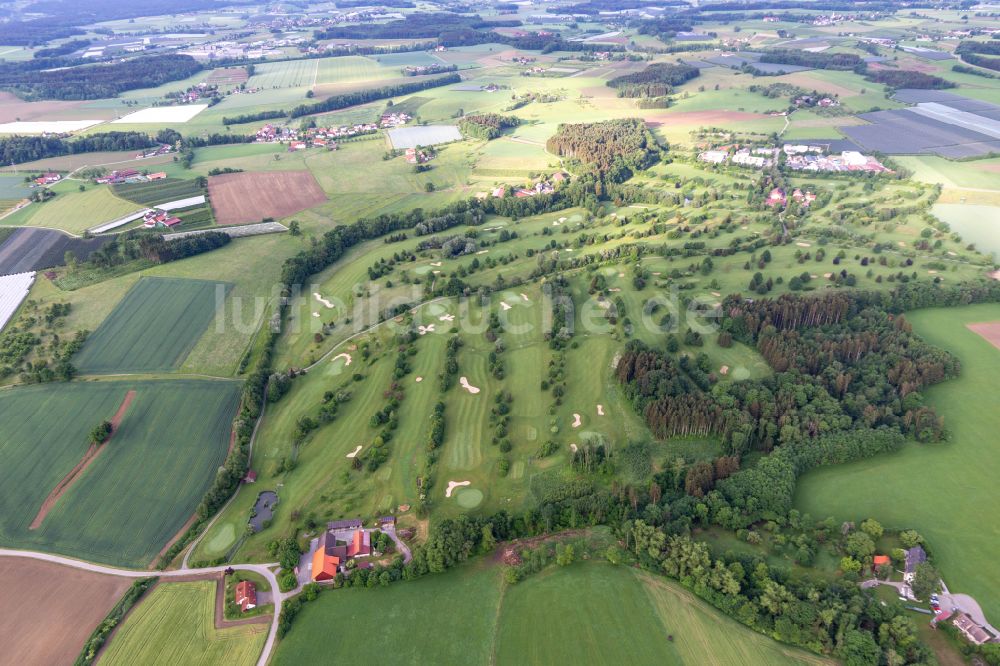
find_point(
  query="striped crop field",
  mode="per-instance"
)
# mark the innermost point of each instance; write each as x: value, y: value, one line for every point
x: 152, y: 328
x: 141, y: 486
x: 175, y: 624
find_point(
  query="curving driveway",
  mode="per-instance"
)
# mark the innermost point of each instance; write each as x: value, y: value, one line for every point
x: 261, y: 569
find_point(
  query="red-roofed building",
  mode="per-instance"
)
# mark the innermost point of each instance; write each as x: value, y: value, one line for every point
x: 246, y: 595
x: 776, y: 197
x: 251, y: 477
x: 882, y: 559
x: 360, y: 544
x: 324, y: 566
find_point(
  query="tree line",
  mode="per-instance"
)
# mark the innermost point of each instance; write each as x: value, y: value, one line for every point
x: 71, y: 81
x: 904, y: 78
x: 18, y: 149
x: 345, y: 100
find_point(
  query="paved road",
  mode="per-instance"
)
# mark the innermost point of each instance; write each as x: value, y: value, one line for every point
x: 963, y: 602
x: 261, y: 569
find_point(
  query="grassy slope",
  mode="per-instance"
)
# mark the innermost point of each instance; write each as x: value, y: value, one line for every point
x: 175, y: 625
x: 74, y: 211
x: 169, y: 444
x: 943, y: 490
x: 572, y: 615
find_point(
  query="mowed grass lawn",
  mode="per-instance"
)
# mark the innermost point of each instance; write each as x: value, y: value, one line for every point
x: 152, y: 328
x: 138, y: 491
x: 589, y: 612
x: 175, y: 624
x: 945, y: 491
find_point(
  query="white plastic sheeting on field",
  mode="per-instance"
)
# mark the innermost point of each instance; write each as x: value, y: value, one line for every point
x: 182, y: 203
x: 13, y: 290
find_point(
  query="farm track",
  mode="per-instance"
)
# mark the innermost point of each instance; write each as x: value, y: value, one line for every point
x: 85, y: 462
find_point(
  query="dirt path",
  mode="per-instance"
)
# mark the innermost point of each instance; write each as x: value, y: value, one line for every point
x: 89, y: 457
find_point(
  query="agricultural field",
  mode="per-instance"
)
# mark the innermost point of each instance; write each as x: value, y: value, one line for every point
x: 905, y: 489
x: 581, y: 612
x: 35, y: 600
x: 175, y: 623
x: 73, y: 211
x: 977, y: 224
x: 157, y: 192
x: 153, y: 328
x: 240, y: 198
x: 173, y: 435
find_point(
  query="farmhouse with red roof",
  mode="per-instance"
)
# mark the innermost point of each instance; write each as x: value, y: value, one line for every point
x: 245, y: 595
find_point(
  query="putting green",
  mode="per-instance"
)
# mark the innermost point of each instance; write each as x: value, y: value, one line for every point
x: 225, y: 538
x: 469, y: 498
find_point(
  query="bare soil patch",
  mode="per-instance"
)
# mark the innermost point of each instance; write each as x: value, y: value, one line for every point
x: 47, y: 611
x: 13, y: 108
x: 239, y: 198
x: 89, y: 457
x: 228, y: 75
x: 989, y: 331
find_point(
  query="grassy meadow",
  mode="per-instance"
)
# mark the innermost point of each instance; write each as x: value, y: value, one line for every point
x: 142, y: 486
x: 589, y: 611
x: 941, y: 490
x: 175, y: 624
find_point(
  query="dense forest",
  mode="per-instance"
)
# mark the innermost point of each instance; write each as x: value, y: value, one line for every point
x: 615, y: 149
x: 19, y: 149
x: 656, y: 80
x: 29, y: 82
x: 417, y: 25
x: 821, y: 60
x: 839, y: 364
x: 65, y: 16
x: 904, y: 78
x: 486, y: 125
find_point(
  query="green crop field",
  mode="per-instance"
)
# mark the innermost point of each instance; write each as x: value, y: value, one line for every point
x: 74, y: 211
x: 585, y: 613
x: 175, y: 624
x: 138, y: 491
x: 157, y: 192
x: 941, y: 490
x: 153, y: 328
x: 976, y: 223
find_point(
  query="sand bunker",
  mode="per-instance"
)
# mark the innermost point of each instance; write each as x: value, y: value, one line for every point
x: 446, y: 317
x: 576, y: 421
x: 315, y: 314
x: 482, y: 252
x: 614, y: 290
x: 525, y: 297
x: 343, y: 355
x: 464, y: 381
x: 505, y: 306
x: 600, y: 410
x: 562, y: 219
x: 435, y: 263
x: 724, y: 370
x: 424, y: 330
x: 573, y: 448
x: 355, y: 452
x: 418, y: 379
x: 800, y: 244
x: 716, y: 294
x: 322, y: 300
x: 455, y: 484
